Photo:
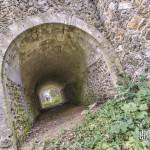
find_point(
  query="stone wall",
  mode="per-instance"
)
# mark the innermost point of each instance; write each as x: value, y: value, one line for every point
x: 69, y: 48
x: 124, y: 23
x: 12, y: 10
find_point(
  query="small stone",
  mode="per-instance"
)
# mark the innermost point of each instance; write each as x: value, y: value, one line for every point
x: 112, y: 6
x: 5, y: 143
x: 41, y: 2
x: 124, y: 6
x: 92, y: 106
x: 22, y: 6
x: 30, y: 3
x: 138, y: 2
x: 34, y: 36
x: 32, y: 10
x: 120, y: 34
x: 119, y: 49
x: 36, y: 141
x: 25, y: 1
x: 60, y: 37
x: 136, y: 22
x: 84, y: 112
x: 147, y: 36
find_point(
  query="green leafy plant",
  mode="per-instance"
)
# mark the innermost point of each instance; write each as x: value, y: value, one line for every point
x: 115, y: 125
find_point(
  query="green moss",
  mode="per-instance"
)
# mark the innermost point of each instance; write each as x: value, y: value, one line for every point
x: 52, y: 102
x: 21, y: 122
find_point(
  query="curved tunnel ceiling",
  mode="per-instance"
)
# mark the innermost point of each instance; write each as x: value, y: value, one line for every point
x: 54, y: 51
x: 50, y: 55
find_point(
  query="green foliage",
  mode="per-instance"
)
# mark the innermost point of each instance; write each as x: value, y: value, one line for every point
x: 116, y: 124
x: 52, y: 102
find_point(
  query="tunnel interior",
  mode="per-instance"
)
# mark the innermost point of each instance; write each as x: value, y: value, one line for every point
x: 51, y: 56
x: 51, y: 95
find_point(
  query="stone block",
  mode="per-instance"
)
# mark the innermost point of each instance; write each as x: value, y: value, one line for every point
x: 120, y: 34
x: 147, y: 36
x: 5, y: 143
x: 124, y: 6
x: 136, y: 23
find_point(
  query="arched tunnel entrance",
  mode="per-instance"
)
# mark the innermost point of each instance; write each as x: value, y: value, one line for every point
x: 53, y: 54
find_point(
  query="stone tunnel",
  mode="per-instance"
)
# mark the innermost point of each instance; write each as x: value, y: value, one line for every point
x: 60, y: 49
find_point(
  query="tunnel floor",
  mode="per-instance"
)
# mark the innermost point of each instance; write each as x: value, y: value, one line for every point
x: 50, y: 124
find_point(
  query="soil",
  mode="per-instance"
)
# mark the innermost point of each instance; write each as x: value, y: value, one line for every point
x: 51, y: 123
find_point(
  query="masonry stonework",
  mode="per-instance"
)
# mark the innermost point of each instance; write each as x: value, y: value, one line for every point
x: 111, y: 36
x: 126, y: 23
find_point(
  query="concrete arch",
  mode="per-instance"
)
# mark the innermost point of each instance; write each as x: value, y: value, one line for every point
x: 17, y: 29
x: 31, y: 21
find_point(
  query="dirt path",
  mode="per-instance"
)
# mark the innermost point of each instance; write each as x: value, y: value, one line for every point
x: 51, y: 123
